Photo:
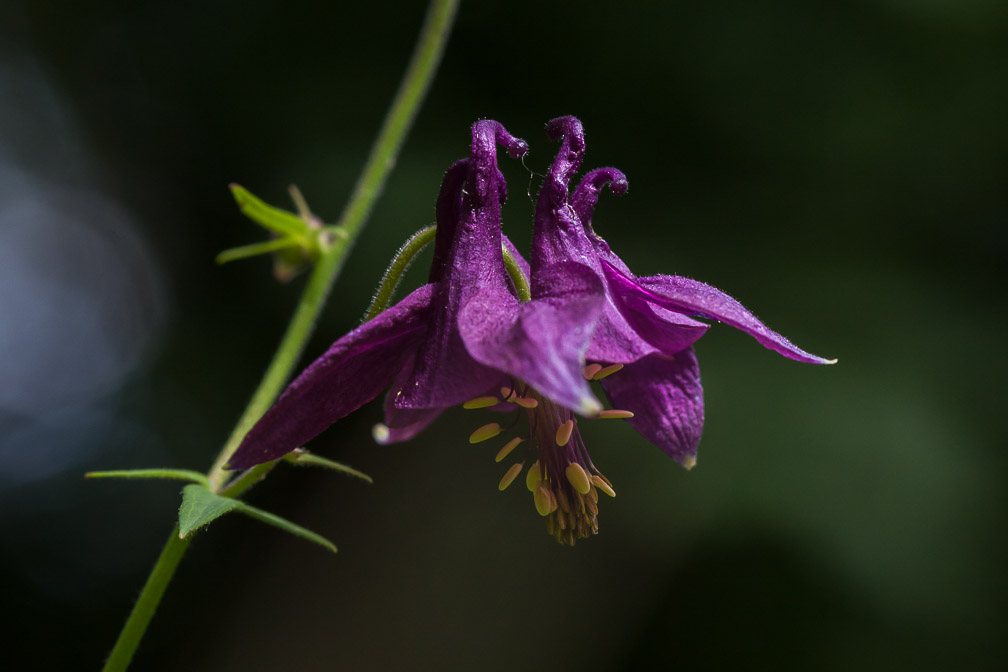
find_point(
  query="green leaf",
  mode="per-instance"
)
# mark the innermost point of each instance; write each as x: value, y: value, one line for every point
x: 180, y: 474
x: 286, y: 526
x: 303, y: 458
x: 200, y: 507
x: 274, y: 219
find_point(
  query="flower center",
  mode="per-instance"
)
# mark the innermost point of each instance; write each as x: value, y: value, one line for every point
x: 564, y: 483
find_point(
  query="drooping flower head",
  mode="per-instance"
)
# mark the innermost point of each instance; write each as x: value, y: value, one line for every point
x: 466, y: 338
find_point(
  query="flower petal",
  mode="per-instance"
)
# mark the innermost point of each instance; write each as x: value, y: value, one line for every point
x: 447, y: 211
x: 445, y: 374
x: 353, y: 371
x: 666, y: 398
x: 667, y: 331
x: 695, y: 298
x: 586, y: 194
x: 541, y: 342
x: 402, y: 424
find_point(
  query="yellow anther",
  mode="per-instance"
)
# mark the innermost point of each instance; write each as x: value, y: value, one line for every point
x: 613, y: 413
x: 602, y: 485
x: 564, y: 432
x: 607, y: 371
x: 485, y: 432
x: 533, y: 477
x: 506, y: 393
x: 689, y: 462
x: 481, y: 402
x: 578, y: 478
x: 526, y: 402
x: 508, y: 447
x: 591, y: 370
x: 509, y: 476
x: 544, y: 502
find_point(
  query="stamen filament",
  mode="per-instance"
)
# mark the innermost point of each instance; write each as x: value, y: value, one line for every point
x: 508, y: 447
x: 487, y: 431
x: 563, y: 433
x: 533, y: 477
x: 544, y: 501
x: 602, y: 485
x: 607, y: 371
x: 578, y: 478
x: 481, y: 402
x: 509, y: 476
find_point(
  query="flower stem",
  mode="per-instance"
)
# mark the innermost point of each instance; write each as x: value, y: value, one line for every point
x: 395, y: 271
x: 415, y: 83
x: 147, y: 603
x: 521, y: 283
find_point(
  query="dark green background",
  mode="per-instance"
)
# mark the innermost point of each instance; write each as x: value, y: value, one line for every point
x: 841, y: 168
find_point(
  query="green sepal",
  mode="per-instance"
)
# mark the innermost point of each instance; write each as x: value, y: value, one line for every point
x: 302, y: 458
x: 255, y: 249
x: 280, y: 221
x: 200, y: 507
x: 178, y: 474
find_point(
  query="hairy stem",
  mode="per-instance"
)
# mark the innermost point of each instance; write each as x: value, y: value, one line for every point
x: 395, y: 271
x: 147, y: 603
x: 415, y: 83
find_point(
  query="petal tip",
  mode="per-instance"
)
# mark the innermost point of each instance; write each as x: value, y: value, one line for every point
x: 590, y: 407
x: 688, y: 462
x: 381, y: 433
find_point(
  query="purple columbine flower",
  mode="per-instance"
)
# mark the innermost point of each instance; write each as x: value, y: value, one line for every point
x: 465, y: 338
x: 428, y: 349
x: 641, y: 347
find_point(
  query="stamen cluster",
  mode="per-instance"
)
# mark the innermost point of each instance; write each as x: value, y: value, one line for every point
x: 562, y: 478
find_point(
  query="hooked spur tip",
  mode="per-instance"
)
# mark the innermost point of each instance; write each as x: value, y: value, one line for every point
x: 517, y: 148
x: 619, y: 186
x: 567, y: 125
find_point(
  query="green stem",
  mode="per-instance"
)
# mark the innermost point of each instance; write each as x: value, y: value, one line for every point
x: 147, y: 603
x: 521, y: 283
x: 415, y: 83
x: 404, y: 257
x: 393, y: 274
